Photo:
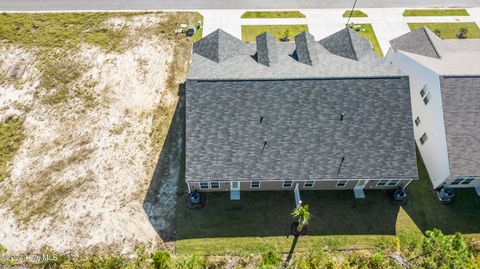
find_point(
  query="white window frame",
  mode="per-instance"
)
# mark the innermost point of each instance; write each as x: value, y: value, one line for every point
x: 215, y: 188
x: 305, y: 183
x: 419, y: 121
x: 251, y: 184
x: 424, y: 140
x: 393, y: 180
x: 427, y: 98
x: 202, y: 188
x: 469, y: 179
x: 286, y: 187
x: 340, y: 186
x: 456, y: 181
x: 382, y: 183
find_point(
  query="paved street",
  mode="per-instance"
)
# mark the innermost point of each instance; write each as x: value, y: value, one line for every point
x: 51, y: 5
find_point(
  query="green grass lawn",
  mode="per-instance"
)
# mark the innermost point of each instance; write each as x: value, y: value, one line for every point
x: 449, y: 30
x: 369, y: 34
x: 250, y: 32
x: 435, y: 12
x: 356, y: 13
x: 260, y: 221
x: 272, y: 14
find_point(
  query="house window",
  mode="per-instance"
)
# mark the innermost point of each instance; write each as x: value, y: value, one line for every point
x: 467, y: 181
x: 417, y: 121
x: 424, y: 90
x: 341, y: 183
x: 309, y: 184
x: 203, y: 185
x: 427, y: 98
x: 287, y: 184
x: 255, y: 184
x: 393, y: 182
x: 382, y: 182
x: 215, y: 185
x: 423, y: 139
x: 456, y: 181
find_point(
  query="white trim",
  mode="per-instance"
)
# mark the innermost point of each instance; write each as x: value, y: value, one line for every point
x: 200, y: 185
x: 408, y: 183
x: 305, y: 183
x: 344, y: 186
x: 188, y: 186
x: 283, y: 184
x: 211, y: 187
x: 259, y: 184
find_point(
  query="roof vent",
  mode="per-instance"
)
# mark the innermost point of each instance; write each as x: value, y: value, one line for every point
x: 305, y: 48
x: 266, y: 49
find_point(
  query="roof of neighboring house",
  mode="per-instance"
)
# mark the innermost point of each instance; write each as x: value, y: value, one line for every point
x: 249, y: 121
x: 445, y: 57
x: 238, y: 59
x: 455, y: 62
x: 461, y: 109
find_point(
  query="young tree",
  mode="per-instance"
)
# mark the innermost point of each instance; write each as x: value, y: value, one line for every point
x: 445, y: 251
x: 302, y: 215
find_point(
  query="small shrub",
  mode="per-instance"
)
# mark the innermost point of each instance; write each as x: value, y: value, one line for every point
x: 2, y: 249
x: 161, y: 260
x: 444, y: 251
x: 269, y: 260
x: 192, y: 262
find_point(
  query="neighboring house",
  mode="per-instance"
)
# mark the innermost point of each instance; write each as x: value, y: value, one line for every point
x: 323, y: 115
x: 445, y: 91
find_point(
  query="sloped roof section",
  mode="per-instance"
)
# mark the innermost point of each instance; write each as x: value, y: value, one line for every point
x: 267, y: 53
x: 460, y: 97
x: 306, y: 48
x: 421, y: 41
x: 219, y: 46
x: 347, y: 43
x: 301, y: 122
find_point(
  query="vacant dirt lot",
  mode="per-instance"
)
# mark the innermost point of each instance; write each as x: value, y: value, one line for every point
x: 94, y: 114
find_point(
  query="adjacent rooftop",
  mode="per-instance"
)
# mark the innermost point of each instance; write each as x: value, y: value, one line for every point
x: 456, y: 63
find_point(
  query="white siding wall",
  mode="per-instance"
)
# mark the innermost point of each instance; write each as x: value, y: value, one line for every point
x: 434, y: 150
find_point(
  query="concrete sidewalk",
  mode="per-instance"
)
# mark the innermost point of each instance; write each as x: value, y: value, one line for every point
x: 388, y: 23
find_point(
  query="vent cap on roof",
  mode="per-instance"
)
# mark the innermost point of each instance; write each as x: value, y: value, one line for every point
x: 266, y: 49
x: 305, y: 48
x: 421, y: 41
x: 348, y: 44
x: 219, y: 46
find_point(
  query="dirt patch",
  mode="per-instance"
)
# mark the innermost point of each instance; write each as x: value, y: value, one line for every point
x: 80, y: 176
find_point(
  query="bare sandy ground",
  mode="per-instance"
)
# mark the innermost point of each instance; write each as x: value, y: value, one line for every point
x: 79, y: 179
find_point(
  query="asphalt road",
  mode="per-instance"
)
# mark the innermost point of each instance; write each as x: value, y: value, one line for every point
x: 52, y: 5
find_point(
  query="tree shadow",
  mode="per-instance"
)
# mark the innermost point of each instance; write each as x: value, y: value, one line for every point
x: 427, y: 213
x: 160, y: 201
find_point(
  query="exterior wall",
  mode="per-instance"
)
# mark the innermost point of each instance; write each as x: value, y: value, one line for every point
x: 276, y: 185
x: 434, y: 150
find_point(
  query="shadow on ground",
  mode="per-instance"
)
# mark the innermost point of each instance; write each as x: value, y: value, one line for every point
x: 268, y: 214
x: 161, y: 199
x: 462, y: 216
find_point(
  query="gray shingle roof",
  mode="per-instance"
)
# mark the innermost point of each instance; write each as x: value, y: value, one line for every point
x: 306, y: 48
x: 421, y: 41
x: 348, y: 44
x: 300, y: 106
x: 461, y: 109
x: 218, y: 46
x: 266, y: 49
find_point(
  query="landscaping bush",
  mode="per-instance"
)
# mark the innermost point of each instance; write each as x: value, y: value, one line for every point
x: 269, y: 260
x: 161, y: 260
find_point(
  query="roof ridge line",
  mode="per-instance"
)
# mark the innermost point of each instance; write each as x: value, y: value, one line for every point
x: 351, y: 44
x: 424, y: 28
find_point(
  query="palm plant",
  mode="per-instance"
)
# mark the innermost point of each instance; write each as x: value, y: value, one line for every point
x: 302, y: 215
